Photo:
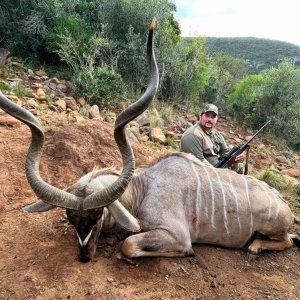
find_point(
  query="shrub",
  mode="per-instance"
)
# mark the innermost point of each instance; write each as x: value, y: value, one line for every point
x: 296, y: 189
x: 101, y: 86
x: 20, y: 90
x: 68, y: 25
x: 4, y: 86
x: 273, y: 178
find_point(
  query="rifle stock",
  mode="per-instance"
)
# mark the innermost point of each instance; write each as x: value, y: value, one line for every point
x: 237, y: 150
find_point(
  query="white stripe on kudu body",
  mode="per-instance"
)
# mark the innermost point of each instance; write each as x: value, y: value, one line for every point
x: 212, y: 216
x: 225, y: 203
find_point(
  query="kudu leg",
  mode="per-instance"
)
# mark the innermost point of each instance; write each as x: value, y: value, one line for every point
x: 258, y: 245
x: 156, y: 242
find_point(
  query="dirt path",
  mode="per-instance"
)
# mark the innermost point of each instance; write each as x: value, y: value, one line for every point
x: 38, y: 251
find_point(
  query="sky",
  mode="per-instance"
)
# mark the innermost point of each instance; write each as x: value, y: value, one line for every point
x: 270, y: 19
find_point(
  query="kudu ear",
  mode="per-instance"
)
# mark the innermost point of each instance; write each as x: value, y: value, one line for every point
x: 38, y: 206
x: 123, y: 217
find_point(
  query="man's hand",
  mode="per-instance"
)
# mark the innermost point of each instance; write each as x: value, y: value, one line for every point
x: 240, y: 158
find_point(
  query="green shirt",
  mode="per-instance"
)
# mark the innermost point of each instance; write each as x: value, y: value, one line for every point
x: 209, y: 147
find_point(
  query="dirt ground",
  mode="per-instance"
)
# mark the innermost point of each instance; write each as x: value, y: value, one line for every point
x: 38, y: 252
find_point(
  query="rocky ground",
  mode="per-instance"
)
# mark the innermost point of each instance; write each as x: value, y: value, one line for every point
x: 38, y: 251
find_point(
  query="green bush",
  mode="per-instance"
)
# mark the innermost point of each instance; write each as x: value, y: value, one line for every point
x: 101, y: 86
x: 68, y: 25
x: 4, y: 86
x: 296, y: 189
x: 273, y: 178
x: 20, y: 90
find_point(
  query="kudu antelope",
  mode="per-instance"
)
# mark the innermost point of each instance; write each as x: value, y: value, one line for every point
x: 170, y: 205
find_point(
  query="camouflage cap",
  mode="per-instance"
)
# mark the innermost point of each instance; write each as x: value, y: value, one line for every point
x: 210, y: 107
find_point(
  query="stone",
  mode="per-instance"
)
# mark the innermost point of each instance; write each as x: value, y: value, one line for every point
x: 94, y: 112
x: 61, y: 105
x: 130, y: 135
x: 81, y: 101
x: 40, y: 73
x: 192, y: 118
x: 79, y: 119
x: 4, y: 55
x: 32, y: 103
x: 290, y: 180
x: 52, y: 86
x: 136, y: 132
x: 7, y: 120
x: 144, y: 138
x: 157, y: 135
x: 291, y: 172
x: 40, y: 93
x: 143, y: 119
x: 62, y: 88
x: 71, y: 103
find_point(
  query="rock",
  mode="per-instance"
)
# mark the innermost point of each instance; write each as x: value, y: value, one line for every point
x: 32, y: 103
x: 133, y: 124
x: 62, y: 88
x: 14, y: 99
x: 36, y: 85
x: 30, y: 72
x: 280, y: 159
x: 290, y: 180
x: 174, y: 135
x: 135, y: 130
x: 55, y: 80
x: 144, y: 138
x: 61, y: 105
x: 53, y: 107
x: 143, y: 119
x: 52, y: 86
x: 131, y: 136
x: 94, y: 112
x: 263, y: 163
x: 157, y: 135
x: 192, y: 118
x: 81, y: 101
x: 238, y: 140
x: 144, y: 130
x: 4, y: 55
x: 40, y: 93
x: 79, y: 119
x: 71, y: 103
x: 291, y: 172
x: 40, y: 73
x: 7, y: 120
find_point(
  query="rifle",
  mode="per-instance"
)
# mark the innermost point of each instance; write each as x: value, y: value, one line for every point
x: 236, y: 150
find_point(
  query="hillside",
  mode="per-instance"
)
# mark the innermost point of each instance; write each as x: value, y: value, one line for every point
x: 259, y: 53
x: 39, y: 252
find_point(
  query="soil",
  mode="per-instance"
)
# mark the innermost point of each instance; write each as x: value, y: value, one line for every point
x: 39, y: 251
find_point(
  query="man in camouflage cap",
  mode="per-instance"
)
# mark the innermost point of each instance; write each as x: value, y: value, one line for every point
x: 205, y: 142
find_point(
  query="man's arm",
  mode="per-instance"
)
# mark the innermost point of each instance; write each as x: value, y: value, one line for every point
x: 224, y: 150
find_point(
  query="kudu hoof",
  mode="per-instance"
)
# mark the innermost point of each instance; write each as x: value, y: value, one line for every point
x: 121, y: 256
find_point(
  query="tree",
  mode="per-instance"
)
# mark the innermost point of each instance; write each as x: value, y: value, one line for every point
x: 224, y: 72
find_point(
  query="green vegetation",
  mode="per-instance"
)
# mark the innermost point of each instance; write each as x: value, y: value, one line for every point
x: 100, y: 46
x: 259, y: 53
x: 272, y: 95
x: 101, y: 86
x: 20, y: 90
x: 4, y: 86
x: 296, y: 189
x: 273, y: 178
